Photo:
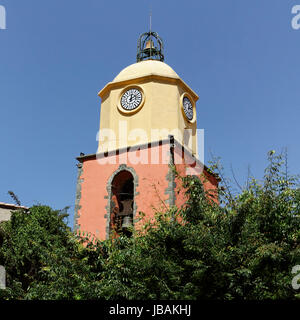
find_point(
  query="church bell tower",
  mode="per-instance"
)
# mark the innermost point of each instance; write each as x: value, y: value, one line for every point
x: 148, y: 123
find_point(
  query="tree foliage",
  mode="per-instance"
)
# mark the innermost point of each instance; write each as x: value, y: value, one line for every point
x: 43, y: 259
x: 242, y: 248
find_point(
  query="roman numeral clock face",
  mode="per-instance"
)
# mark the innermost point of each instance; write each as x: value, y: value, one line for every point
x: 131, y: 99
x: 188, y: 108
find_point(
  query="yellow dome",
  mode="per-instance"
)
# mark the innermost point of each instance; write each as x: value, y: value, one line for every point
x: 146, y: 68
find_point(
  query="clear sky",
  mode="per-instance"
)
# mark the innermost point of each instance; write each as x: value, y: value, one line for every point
x: 241, y: 57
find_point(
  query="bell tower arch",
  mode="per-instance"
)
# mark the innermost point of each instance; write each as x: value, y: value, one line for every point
x: 121, y: 208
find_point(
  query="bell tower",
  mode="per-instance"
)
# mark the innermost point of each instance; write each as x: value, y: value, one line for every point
x: 148, y: 122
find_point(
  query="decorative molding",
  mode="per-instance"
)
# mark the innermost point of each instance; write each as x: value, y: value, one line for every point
x: 147, y: 78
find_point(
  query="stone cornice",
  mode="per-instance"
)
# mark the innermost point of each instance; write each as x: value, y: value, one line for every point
x: 148, y: 78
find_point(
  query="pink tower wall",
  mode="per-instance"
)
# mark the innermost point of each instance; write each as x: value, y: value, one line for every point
x: 153, y: 186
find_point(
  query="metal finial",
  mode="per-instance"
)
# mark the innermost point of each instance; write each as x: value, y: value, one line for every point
x: 150, y: 19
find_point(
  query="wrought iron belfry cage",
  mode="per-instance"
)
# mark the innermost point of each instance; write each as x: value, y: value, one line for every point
x: 150, y: 47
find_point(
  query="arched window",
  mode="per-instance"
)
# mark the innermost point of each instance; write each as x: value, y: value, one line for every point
x: 122, y: 198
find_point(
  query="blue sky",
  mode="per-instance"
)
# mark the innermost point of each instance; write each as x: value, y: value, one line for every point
x: 241, y: 57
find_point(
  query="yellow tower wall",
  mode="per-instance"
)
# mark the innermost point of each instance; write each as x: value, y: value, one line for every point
x: 161, y: 110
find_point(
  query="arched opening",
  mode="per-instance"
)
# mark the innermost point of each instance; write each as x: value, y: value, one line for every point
x: 122, y: 197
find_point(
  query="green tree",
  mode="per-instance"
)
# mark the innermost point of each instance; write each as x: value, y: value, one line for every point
x: 242, y: 248
x: 43, y: 259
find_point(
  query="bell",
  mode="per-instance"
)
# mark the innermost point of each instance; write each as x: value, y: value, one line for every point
x: 126, y: 207
x: 127, y: 222
x: 149, y: 44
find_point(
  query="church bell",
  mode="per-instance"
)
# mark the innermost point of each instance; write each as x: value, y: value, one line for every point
x: 127, y: 222
x: 149, y: 44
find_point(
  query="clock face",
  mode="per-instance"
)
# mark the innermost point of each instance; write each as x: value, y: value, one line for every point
x: 188, y: 108
x: 131, y: 99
